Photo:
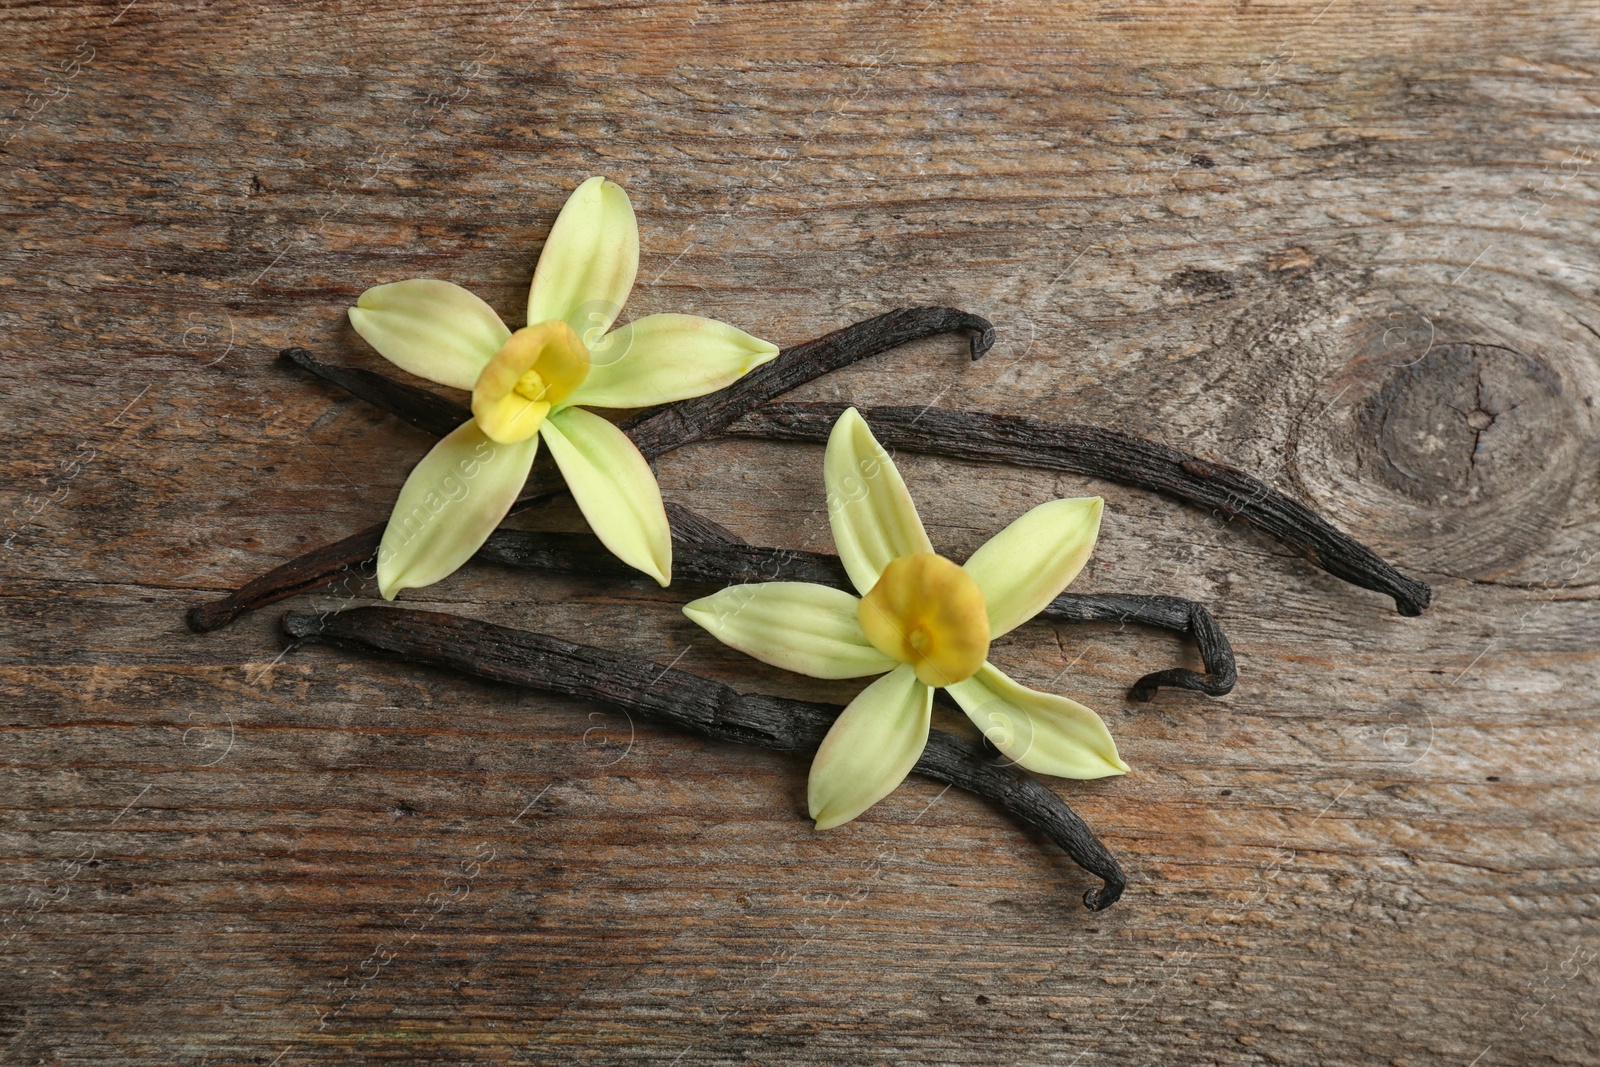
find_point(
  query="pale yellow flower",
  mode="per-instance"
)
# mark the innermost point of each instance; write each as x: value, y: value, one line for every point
x: 923, y: 623
x: 526, y: 386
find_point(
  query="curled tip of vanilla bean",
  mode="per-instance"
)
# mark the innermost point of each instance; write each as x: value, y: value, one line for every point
x: 1168, y: 613
x: 699, y: 705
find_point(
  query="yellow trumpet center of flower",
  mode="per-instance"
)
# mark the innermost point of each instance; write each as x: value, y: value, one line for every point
x: 928, y: 612
x: 537, y: 367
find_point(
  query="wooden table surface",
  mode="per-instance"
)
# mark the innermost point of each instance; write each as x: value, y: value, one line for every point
x: 1353, y: 248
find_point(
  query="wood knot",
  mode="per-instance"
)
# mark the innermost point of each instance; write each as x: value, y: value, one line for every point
x: 1469, y: 451
x: 1470, y: 424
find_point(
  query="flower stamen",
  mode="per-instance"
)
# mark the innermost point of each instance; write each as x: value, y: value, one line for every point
x: 538, y: 367
x: 928, y: 612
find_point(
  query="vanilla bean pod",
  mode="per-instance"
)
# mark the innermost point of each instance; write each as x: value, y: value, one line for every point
x: 1037, y: 443
x: 427, y: 411
x: 699, y: 705
x: 1167, y: 613
x: 655, y: 433
x: 706, y: 552
x: 1118, y: 457
x: 720, y: 561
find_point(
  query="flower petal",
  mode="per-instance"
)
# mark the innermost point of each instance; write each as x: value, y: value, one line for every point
x: 1042, y: 732
x: 590, y: 258
x: 449, y: 506
x: 871, y: 748
x: 614, y: 487
x: 662, y: 358
x: 805, y: 628
x: 1025, y: 566
x: 436, y: 330
x: 873, y: 518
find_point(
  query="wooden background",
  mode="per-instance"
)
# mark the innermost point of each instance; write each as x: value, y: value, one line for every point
x: 1353, y: 248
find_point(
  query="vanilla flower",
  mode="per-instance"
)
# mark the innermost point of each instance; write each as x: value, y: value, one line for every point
x: 526, y: 387
x: 923, y: 623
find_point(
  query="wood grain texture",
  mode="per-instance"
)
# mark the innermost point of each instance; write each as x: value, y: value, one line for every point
x: 1351, y: 249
